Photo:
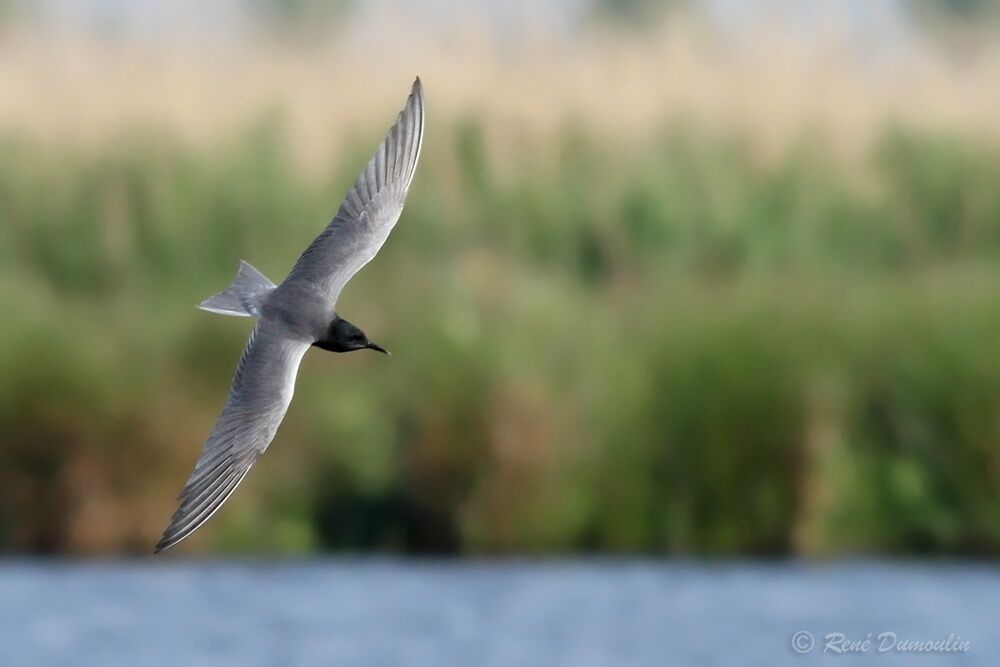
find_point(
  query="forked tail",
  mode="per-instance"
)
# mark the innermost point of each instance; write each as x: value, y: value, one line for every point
x: 244, y: 297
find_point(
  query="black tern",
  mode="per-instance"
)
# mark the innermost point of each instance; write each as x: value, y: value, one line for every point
x: 294, y: 316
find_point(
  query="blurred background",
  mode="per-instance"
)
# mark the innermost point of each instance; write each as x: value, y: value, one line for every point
x: 676, y: 278
x: 695, y: 311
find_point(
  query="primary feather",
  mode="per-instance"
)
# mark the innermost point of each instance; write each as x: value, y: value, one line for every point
x: 262, y: 389
x: 369, y: 211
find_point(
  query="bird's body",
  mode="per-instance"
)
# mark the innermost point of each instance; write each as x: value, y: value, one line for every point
x: 294, y: 316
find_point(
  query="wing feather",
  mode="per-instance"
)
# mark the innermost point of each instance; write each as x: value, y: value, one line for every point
x: 262, y: 389
x: 370, y: 209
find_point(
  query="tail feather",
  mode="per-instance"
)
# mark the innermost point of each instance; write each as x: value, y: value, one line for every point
x: 244, y: 297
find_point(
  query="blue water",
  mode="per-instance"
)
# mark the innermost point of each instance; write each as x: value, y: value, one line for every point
x: 438, y: 614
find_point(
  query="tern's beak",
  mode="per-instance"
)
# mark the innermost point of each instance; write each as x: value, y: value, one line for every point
x: 377, y: 348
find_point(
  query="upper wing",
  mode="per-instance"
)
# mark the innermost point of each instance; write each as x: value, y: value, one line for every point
x: 370, y: 209
x: 262, y: 389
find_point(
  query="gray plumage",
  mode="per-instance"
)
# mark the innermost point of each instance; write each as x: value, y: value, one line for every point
x: 244, y: 297
x: 297, y: 314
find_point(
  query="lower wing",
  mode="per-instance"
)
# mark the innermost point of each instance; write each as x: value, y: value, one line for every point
x: 262, y: 389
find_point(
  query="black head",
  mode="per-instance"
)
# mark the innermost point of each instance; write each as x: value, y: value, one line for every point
x: 342, y: 336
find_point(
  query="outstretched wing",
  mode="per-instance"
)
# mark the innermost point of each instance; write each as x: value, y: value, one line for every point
x: 370, y: 209
x: 262, y: 389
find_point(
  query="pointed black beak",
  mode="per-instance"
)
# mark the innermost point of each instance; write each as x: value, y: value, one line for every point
x: 377, y: 348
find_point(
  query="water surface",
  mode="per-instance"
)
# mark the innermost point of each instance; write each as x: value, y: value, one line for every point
x: 520, y: 613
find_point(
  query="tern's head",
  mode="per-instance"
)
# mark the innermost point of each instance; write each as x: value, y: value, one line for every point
x: 342, y: 336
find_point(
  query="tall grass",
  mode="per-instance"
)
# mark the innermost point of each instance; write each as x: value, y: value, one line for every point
x: 680, y: 348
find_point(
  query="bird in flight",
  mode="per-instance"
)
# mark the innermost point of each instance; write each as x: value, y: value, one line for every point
x: 292, y: 317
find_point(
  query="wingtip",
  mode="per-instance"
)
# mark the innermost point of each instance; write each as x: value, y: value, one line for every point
x: 418, y: 87
x: 166, y: 543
